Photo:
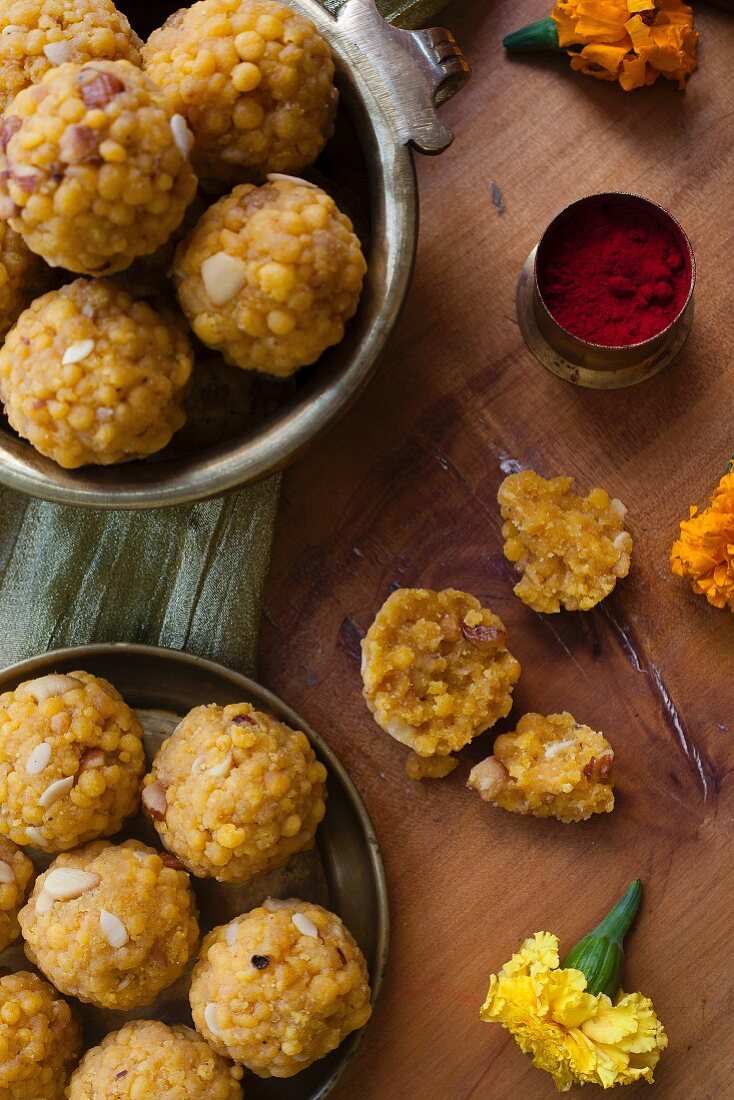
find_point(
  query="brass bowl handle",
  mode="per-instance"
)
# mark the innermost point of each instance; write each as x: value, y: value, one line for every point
x: 418, y: 70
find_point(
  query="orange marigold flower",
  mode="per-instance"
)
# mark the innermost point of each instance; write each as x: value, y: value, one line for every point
x: 704, y: 553
x: 632, y: 41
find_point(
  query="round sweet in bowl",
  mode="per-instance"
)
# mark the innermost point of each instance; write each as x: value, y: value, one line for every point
x: 234, y: 793
x: 147, y: 1058
x: 71, y: 761
x: 280, y: 987
x: 40, y: 1039
x: 112, y: 925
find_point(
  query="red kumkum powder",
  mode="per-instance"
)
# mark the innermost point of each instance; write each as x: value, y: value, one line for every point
x: 613, y: 272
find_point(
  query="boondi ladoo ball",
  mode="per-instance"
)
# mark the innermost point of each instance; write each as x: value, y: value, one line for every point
x: 94, y: 167
x: 270, y: 275
x: 111, y: 924
x: 255, y: 81
x: 37, y: 35
x: 71, y: 761
x: 23, y: 276
x: 16, y: 875
x: 233, y: 792
x: 90, y: 376
x: 280, y: 987
x: 148, y: 1060
x: 40, y: 1039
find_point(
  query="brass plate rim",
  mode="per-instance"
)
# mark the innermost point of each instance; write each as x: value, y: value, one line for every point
x: 78, y: 655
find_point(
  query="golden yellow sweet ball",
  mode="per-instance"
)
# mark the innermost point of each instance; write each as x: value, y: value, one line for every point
x: 280, y: 987
x: 71, y: 761
x: 40, y: 1039
x: 255, y: 81
x: 94, y: 166
x: 23, y: 276
x: 16, y: 876
x: 111, y: 924
x: 37, y: 35
x: 147, y: 1058
x: 90, y: 376
x: 270, y: 275
x: 233, y: 792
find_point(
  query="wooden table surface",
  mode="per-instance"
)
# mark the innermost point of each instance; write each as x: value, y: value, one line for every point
x: 403, y: 491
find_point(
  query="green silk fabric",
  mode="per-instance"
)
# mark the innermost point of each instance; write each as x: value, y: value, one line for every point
x: 185, y: 577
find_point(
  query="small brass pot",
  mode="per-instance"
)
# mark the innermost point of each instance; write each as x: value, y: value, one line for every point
x: 596, y: 365
x: 390, y: 81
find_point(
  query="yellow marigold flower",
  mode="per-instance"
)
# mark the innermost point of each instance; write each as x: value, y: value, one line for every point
x: 704, y: 553
x: 632, y: 41
x: 576, y: 1037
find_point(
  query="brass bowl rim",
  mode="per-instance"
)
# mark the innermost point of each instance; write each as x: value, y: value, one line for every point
x: 20, y: 670
x: 274, y: 445
x: 642, y: 199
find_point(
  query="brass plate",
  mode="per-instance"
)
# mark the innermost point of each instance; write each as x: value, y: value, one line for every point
x: 344, y: 872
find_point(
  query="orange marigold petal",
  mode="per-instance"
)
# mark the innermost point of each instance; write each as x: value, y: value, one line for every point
x: 704, y: 552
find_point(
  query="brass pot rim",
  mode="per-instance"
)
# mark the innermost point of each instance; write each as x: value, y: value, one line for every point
x: 644, y: 346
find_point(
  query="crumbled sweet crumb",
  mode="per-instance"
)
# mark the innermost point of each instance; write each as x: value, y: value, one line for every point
x: 570, y: 550
x: 548, y: 767
x: 436, y: 669
x: 429, y: 767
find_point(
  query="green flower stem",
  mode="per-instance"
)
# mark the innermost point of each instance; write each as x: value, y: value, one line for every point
x: 600, y: 954
x: 542, y: 35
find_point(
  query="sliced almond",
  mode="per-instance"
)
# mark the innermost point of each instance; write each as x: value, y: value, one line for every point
x: 13, y: 28
x: 57, y: 52
x: 619, y: 508
x: 67, y: 883
x: 91, y: 758
x: 39, y: 759
x: 55, y: 791
x: 230, y: 935
x: 488, y: 778
x: 222, y: 768
x: 35, y: 836
x: 113, y: 930
x: 196, y: 766
x: 182, y: 136
x: 46, y: 687
x: 622, y: 540
x: 154, y: 800
x: 7, y: 874
x: 223, y: 277
x: 77, y: 351
x: 210, y: 1019
x: 273, y: 905
x: 44, y: 902
x: 275, y: 176
x: 305, y: 925
x: 558, y: 746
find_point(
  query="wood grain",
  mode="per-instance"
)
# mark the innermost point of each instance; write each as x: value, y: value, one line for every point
x: 403, y: 492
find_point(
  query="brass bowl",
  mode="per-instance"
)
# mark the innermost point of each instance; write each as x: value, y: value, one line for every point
x: 597, y: 366
x: 344, y: 872
x: 389, y: 80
